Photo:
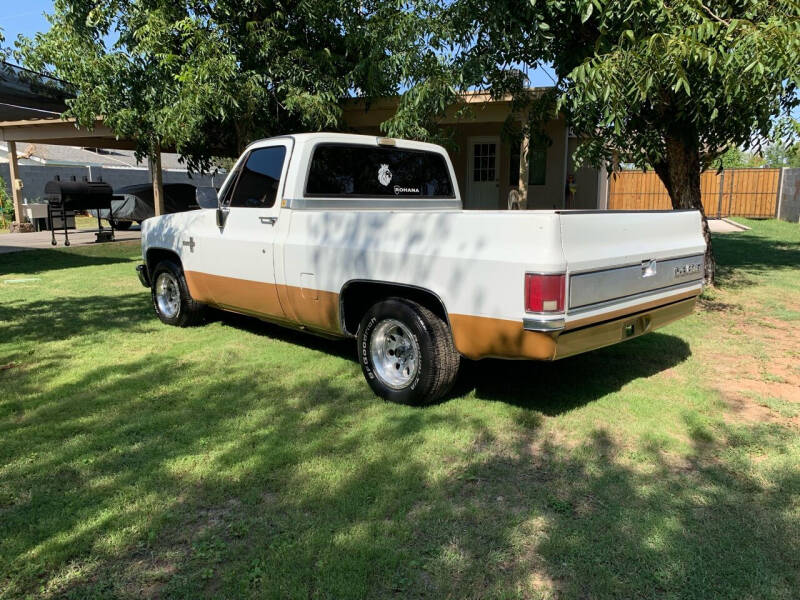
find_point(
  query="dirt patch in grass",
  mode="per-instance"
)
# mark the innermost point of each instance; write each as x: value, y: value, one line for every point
x: 743, y: 408
x: 746, y: 381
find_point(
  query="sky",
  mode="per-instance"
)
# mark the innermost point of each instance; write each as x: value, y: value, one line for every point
x: 23, y: 17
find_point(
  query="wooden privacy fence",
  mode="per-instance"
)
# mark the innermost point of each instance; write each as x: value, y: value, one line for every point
x: 732, y: 193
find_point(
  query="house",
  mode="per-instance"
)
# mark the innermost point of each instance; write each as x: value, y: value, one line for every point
x: 488, y: 166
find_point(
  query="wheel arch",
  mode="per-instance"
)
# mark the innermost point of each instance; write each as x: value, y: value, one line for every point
x: 358, y: 295
x: 156, y: 255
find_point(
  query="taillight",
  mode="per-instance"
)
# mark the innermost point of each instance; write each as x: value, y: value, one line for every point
x: 544, y: 293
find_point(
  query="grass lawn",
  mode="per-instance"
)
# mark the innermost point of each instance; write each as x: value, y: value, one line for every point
x: 238, y: 459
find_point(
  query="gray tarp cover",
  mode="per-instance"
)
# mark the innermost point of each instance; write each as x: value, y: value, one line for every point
x: 132, y: 208
x: 137, y: 201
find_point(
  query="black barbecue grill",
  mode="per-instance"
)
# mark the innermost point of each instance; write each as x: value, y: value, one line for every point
x: 65, y: 198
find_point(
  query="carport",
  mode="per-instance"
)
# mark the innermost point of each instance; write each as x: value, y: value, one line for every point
x: 31, y: 105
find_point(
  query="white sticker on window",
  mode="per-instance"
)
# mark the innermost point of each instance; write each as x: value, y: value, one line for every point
x: 384, y: 175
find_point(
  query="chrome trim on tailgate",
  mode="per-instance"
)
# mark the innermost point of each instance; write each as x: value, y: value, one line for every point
x: 609, y: 285
x: 675, y: 289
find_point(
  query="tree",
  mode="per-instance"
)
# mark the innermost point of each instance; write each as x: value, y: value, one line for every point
x: 648, y: 82
x: 736, y: 158
x: 6, y: 206
x: 782, y: 154
x: 208, y: 76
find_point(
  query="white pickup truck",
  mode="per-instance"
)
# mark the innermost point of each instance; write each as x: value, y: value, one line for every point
x: 357, y: 236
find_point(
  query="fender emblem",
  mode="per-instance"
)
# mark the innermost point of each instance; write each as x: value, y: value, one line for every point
x: 190, y: 243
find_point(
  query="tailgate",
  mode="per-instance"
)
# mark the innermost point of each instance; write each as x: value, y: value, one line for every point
x: 616, y: 255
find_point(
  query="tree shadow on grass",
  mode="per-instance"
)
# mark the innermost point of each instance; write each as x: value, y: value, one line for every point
x: 118, y: 454
x: 60, y: 318
x: 740, y: 253
x: 30, y: 262
x: 587, y: 522
x: 119, y: 484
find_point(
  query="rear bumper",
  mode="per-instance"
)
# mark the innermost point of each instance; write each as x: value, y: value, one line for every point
x: 622, y: 329
x: 483, y: 337
x: 144, y: 276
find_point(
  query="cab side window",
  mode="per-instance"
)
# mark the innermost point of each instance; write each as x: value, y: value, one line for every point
x: 257, y: 185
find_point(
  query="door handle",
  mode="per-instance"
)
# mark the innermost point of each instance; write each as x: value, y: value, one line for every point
x: 268, y: 220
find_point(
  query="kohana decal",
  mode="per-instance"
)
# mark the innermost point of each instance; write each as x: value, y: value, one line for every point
x: 405, y: 190
x: 384, y: 175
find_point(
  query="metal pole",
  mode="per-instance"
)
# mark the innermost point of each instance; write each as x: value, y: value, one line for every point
x: 719, y: 202
x: 780, y: 194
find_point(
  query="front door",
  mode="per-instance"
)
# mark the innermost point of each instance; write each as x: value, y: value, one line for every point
x: 243, y: 247
x: 483, y: 185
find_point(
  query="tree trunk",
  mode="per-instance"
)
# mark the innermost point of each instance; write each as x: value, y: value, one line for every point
x: 680, y: 174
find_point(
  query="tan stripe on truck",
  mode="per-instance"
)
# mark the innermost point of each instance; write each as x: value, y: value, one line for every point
x: 316, y: 309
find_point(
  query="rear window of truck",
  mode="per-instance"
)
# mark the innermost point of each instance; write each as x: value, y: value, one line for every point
x: 353, y: 171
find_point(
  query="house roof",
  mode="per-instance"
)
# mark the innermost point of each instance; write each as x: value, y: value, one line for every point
x: 364, y: 115
x: 26, y: 94
x: 48, y: 154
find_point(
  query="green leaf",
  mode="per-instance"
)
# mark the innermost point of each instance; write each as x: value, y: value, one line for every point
x: 587, y: 12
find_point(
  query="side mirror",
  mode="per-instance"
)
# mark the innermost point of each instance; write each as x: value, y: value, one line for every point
x: 206, y: 197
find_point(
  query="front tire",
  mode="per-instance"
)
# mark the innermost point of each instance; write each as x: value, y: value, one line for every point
x: 171, y: 299
x: 406, y: 352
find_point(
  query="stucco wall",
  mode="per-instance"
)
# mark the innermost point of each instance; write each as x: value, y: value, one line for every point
x: 587, y: 182
x: 34, y: 177
x: 551, y: 194
x: 789, y: 209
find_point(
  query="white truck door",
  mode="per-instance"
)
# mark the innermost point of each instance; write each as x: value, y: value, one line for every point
x: 244, y: 248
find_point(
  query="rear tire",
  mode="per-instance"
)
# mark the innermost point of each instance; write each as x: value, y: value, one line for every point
x: 406, y: 352
x: 171, y: 299
x: 121, y: 225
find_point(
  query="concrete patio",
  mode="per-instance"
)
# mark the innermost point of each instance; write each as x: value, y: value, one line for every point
x: 17, y: 242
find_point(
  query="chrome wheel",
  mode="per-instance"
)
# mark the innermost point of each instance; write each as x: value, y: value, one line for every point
x: 168, y: 295
x: 395, y: 354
